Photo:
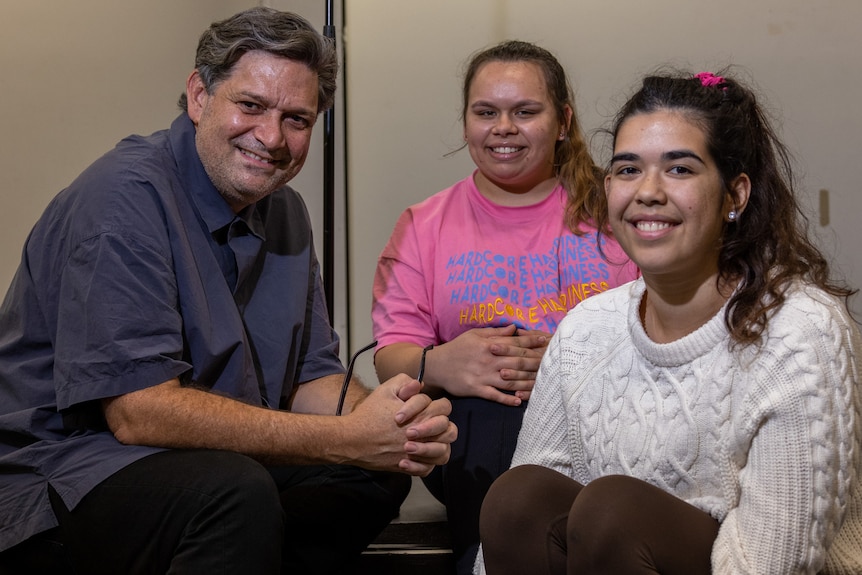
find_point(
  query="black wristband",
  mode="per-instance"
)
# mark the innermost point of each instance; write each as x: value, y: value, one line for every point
x: 425, y: 350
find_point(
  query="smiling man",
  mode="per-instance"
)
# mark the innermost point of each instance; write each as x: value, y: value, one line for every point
x: 168, y: 374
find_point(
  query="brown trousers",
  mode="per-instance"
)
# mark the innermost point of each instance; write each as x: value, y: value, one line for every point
x: 535, y: 520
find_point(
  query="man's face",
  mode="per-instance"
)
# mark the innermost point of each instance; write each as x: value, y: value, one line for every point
x: 254, y: 130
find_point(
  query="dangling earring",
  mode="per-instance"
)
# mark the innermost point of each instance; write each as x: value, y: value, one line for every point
x: 731, y: 215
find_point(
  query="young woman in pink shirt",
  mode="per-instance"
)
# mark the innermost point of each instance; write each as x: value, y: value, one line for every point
x: 475, y: 279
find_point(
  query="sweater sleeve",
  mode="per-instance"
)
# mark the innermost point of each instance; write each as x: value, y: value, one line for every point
x: 544, y: 436
x: 801, y: 419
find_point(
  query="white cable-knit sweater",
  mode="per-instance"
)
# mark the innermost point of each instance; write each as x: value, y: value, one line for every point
x: 765, y: 440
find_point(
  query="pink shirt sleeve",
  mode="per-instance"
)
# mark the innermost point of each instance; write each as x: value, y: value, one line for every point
x: 401, y: 310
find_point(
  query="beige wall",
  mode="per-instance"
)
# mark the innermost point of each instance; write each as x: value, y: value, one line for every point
x: 78, y: 76
x: 405, y: 59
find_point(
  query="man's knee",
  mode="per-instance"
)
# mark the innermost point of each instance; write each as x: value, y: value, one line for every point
x: 244, y: 484
x: 211, y: 477
x: 189, y: 500
x: 396, y: 487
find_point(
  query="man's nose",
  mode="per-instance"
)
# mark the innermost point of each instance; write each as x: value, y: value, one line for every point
x: 270, y: 132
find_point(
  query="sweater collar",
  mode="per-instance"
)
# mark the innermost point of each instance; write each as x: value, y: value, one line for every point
x: 684, y: 350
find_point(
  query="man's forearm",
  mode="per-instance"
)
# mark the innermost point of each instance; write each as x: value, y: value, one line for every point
x: 169, y: 415
x: 321, y: 396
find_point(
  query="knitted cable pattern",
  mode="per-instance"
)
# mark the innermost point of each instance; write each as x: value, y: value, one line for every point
x: 765, y: 440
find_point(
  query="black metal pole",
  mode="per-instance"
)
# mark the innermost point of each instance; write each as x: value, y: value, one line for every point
x: 329, y: 185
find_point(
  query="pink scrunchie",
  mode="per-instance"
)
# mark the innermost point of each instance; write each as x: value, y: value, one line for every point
x: 709, y: 79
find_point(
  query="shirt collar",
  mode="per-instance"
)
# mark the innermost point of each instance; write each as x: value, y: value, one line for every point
x: 212, y: 207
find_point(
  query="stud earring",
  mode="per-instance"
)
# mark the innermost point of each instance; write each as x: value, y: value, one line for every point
x: 731, y: 215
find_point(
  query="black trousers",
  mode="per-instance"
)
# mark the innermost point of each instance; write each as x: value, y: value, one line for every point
x: 535, y: 520
x: 487, y: 435
x: 205, y: 511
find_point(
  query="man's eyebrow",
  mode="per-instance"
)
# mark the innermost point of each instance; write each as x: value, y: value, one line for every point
x: 250, y: 95
x: 312, y: 112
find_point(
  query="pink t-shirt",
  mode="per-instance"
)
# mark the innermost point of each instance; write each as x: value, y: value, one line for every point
x: 458, y: 261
